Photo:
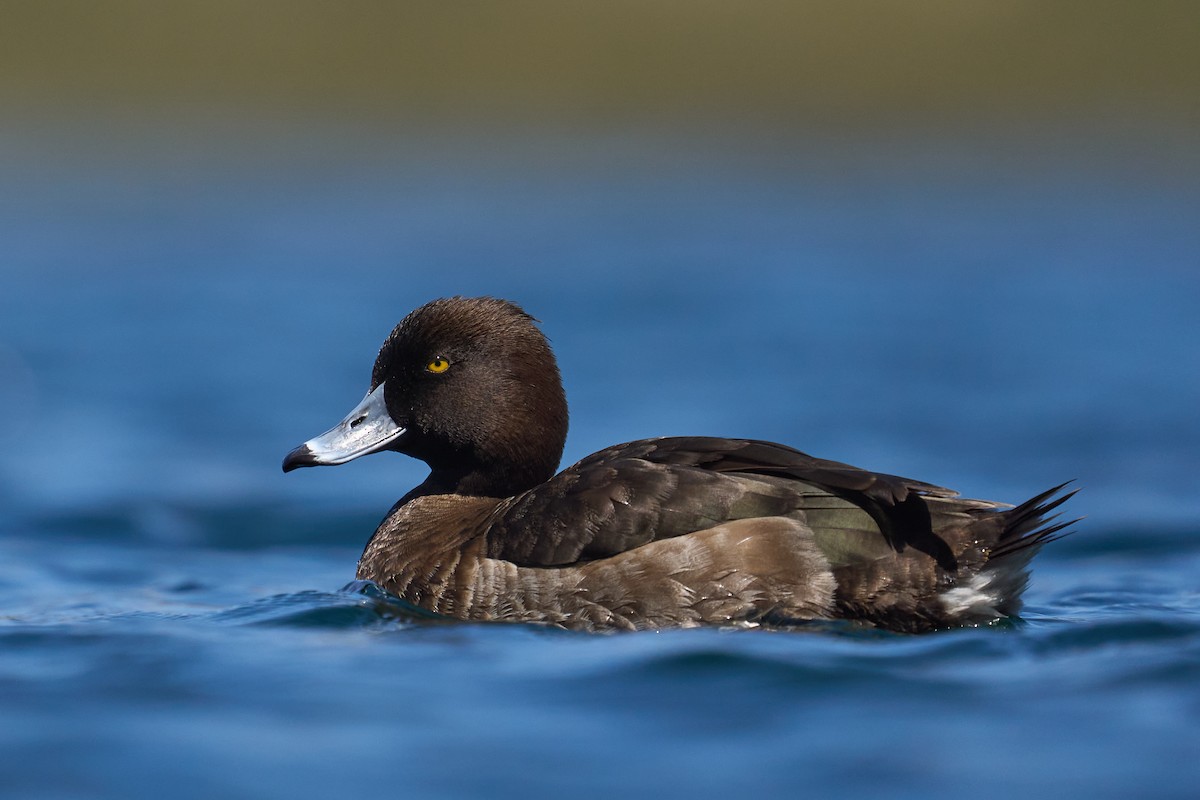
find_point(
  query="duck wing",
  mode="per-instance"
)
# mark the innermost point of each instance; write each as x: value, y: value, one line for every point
x: 631, y: 494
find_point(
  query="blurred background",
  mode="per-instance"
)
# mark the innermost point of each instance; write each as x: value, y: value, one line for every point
x: 931, y: 237
x: 958, y: 241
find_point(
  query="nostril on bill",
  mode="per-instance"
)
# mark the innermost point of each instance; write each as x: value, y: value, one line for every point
x: 354, y: 423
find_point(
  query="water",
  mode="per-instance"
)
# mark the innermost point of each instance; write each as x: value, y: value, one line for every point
x: 179, y: 310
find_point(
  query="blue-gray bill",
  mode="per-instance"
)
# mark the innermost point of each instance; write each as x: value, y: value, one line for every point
x: 367, y: 429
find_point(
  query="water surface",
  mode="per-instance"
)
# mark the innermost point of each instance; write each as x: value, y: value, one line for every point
x: 176, y: 315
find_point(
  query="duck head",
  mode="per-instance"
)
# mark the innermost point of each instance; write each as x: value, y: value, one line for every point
x: 467, y: 385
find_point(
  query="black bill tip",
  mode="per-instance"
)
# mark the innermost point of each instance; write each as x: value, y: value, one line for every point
x: 302, y: 456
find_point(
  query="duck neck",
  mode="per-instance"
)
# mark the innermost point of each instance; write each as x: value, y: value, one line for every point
x: 478, y: 477
x: 499, y: 483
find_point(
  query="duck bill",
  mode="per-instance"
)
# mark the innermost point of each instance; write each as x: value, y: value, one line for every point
x: 367, y: 429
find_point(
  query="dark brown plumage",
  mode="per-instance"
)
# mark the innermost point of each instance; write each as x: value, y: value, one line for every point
x: 654, y: 533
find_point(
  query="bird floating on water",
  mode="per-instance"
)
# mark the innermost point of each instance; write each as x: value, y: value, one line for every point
x: 655, y: 533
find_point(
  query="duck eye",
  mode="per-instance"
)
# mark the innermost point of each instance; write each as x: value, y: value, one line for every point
x: 437, y: 365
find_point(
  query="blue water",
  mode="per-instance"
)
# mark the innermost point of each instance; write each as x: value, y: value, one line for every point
x: 180, y: 307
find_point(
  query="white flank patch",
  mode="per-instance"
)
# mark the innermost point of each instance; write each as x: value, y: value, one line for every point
x: 998, y: 585
x: 975, y: 599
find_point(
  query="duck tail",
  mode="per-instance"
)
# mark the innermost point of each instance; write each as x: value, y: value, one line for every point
x: 1027, y: 527
x: 995, y: 590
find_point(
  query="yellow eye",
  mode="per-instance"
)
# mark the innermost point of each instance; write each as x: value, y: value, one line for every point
x: 437, y: 365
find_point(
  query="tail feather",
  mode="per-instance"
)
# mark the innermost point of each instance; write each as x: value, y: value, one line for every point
x: 995, y: 589
x: 1028, y: 526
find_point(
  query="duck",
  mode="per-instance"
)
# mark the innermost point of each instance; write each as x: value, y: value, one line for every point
x: 659, y: 533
